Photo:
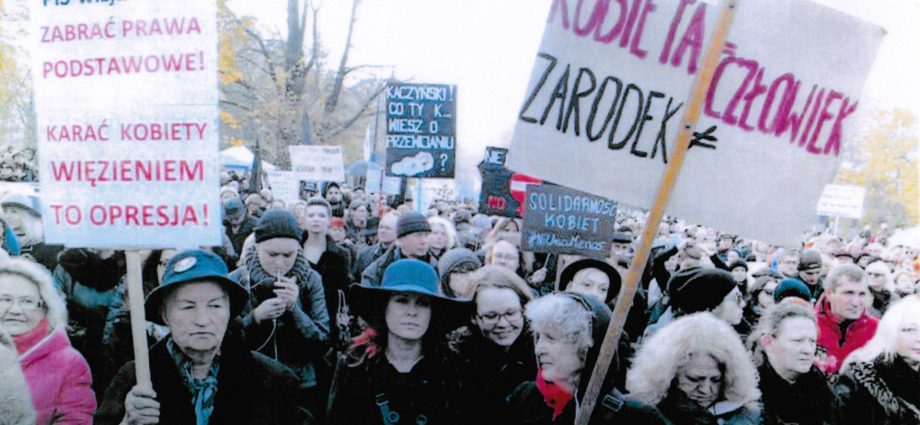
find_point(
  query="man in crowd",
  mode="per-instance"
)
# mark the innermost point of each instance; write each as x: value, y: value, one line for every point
x: 237, y: 224
x: 810, y: 265
x: 334, y: 197
x: 202, y: 372
x: 386, y: 234
x: 788, y: 263
x: 412, y: 231
x: 843, y: 325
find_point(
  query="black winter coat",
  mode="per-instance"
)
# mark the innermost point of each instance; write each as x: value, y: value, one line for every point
x: 680, y: 410
x: 809, y: 401
x: 363, y: 394
x: 373, y: 274
x: 879, y: 393
x: 251, y: 389
x: 526, y: 407
x: 488, y: 373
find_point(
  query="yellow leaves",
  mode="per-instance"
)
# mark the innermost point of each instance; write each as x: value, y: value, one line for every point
x: 226, y: 62
x: 229, y: 119
x: 237, y: 142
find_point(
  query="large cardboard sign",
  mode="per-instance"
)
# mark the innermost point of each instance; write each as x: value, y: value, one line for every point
x: 611, y: 82
x: 840, y: 200
x: 126, y: 99
x: 421, y: 130
x: 317, y: 163
x: 565, y: 221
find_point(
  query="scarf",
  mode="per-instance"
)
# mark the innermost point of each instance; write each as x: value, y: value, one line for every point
x: 554, y: 395
x: 204, y: 391
x: 258, y: 276
x: 29, y: 339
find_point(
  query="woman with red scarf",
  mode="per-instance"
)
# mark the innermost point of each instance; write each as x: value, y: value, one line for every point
x: 34, y: 315
x: 568, y: 331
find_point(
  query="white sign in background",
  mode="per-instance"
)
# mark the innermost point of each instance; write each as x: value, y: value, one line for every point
x: 443, y: 190
x: 603, y: 105
x: 317, y: 163
x: 285, y: 186
x: 126, y: 98
x: 838, y: 200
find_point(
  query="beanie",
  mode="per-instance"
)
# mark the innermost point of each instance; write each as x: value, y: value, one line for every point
x: 700, y: 289
x: 277, y: 224
x: 233, y: 207
x: 791, y: 287
x: 411, y: 222
x: 456, y: 258
x: 738, y: 263
x: 810, y: 260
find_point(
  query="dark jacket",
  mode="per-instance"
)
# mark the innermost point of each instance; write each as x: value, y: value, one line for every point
x: 488, y: 373
x: 373, y: 274
x: 238, y: 238
x: 879, y: 393
x: 808, y: 401
x: 365, y: 257
x: 680, y: 410
x: 526, y: 407
x: 363, y: 394
x: 251, y: 389
x: 298, y: 338
x: 333, y: 268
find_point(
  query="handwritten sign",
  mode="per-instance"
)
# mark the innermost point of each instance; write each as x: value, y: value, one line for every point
x: 839, y: 200
x: 435, y: 190
x: 610, y: 85
x: 126, y: 100
x: 317, y: 163
x: 392, y: 185
x: 495, y: 195
x: 285, y: 186
x: 566, y: 221
x: 421, y: 130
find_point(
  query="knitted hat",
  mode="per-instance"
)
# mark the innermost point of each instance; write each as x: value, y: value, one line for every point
x: 810, y: 260
x: 700, y: 289
x: 277, y: 224
x: 411, y: 222
x: 791, y: 287
x: 738, y: 263
x: 233, y: 207
x: 456, y: 258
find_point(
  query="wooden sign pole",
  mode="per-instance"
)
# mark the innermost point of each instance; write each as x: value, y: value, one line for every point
x: 633, y: 277
x: 138, y: 318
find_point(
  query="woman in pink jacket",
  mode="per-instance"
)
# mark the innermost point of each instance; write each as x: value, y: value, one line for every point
x: 32, y: 312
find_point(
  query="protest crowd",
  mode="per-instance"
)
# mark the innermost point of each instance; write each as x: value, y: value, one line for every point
x: 345, y: 308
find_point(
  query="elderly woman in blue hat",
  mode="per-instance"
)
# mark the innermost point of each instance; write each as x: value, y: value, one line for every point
x: 394, y: 372
x: 202, y: 372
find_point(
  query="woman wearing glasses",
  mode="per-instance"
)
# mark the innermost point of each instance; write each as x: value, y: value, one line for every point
x: 496, y: 350
x: 33, y: 314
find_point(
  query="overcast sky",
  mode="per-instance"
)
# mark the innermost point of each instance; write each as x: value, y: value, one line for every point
x: 487, y: 48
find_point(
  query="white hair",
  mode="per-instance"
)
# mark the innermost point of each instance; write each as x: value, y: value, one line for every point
x: 563, y: 315
x: 658, y: 360
x: 884, y: 344
x: 449, y: 229
x: 55, y: 307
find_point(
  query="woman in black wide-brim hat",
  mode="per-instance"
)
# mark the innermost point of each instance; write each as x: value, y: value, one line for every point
x: 396, y: 371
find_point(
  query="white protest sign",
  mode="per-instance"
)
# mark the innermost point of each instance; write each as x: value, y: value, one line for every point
x: 285, y: 186
x: 374, y: 179
x: 435, y: 190
x: 126, y: 99
x: 392, y: 185
x: 610, y: 85
x: 839, y: 200
x: 317, y: 163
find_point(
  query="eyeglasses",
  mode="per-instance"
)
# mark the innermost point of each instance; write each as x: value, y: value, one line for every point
x: 492, y: 318
x: 873, y: 274
x: 25, y: 303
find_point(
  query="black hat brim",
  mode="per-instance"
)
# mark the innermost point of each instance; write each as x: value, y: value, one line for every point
x: 616, y: 281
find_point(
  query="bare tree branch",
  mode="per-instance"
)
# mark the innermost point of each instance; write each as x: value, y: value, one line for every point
x: 265, y: 54
x: 333, y: 99
x: 344, y: 125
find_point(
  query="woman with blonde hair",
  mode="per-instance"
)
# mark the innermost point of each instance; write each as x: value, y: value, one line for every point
x: 793, y: 390
x: 495, y: 351
x: 443, y: 236
x: 880, y: 382
x: 695, y: 371
x: 33, y: 313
